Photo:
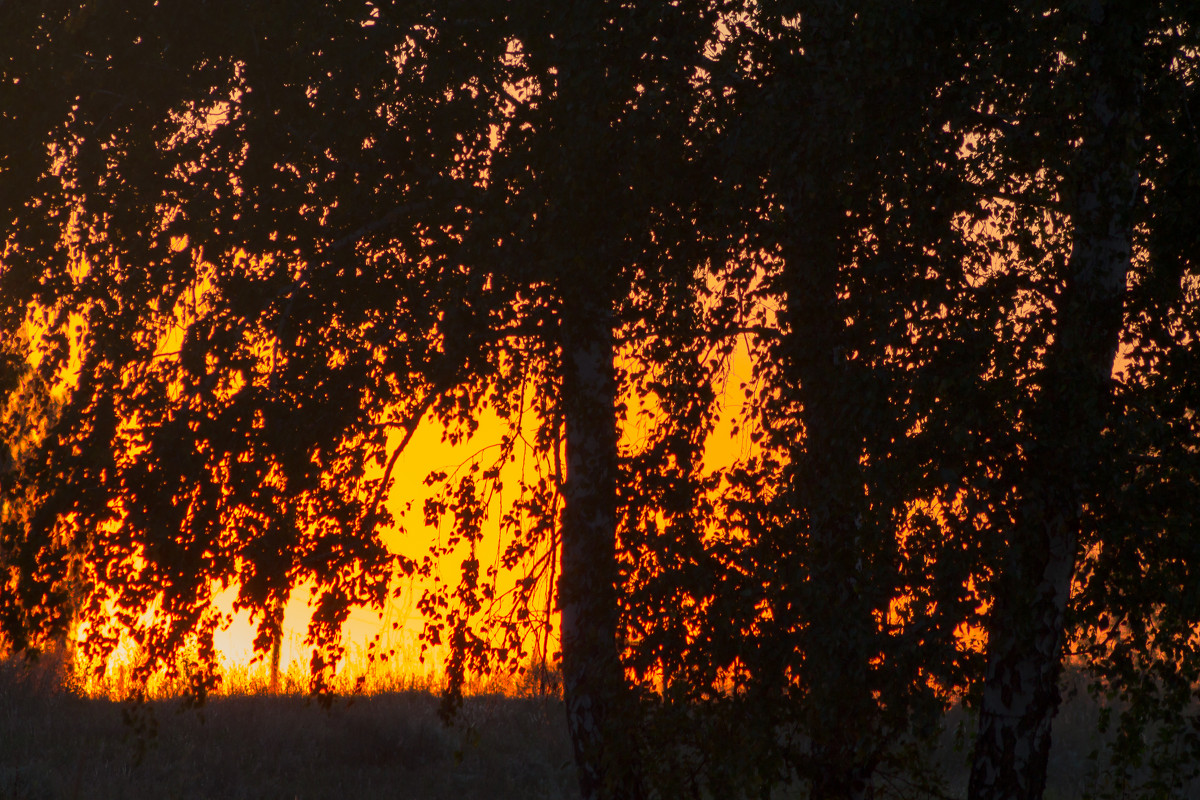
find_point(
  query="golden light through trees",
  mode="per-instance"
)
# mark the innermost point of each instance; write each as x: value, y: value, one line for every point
x: 429, y: 452
x: 802, y: 369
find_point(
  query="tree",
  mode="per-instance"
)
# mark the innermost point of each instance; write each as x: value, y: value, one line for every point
x: 951, y: 281
x: 1091, y: 70
x: 307, y: 232
x: 25, y: 415
x: 849, y: 589
x: 1135, y: 612
x: 319, y: 224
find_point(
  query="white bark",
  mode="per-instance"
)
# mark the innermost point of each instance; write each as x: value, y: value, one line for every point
x: 597, y: 700
x: 1026, y: 632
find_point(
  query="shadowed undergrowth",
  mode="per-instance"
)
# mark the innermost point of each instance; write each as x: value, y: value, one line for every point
x: 57, y: 744
x: 509, y: 742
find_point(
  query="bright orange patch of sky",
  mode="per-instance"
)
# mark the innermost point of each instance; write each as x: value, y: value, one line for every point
x: 427, y: 452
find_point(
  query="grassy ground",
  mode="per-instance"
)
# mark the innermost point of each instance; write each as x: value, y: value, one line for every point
x: 57, y: 745
x: 390, y: 744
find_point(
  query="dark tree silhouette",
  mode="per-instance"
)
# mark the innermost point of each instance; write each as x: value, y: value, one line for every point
x: 265, y: 241
x: 298, y: 236
x: 1074, y: 142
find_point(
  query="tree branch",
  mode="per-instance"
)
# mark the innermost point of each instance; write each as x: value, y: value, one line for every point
x: 410, y: 428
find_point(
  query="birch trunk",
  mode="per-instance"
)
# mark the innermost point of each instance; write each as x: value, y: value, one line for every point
x: 836, y: 628
x: 1026, y: 630
x: 600, y: 716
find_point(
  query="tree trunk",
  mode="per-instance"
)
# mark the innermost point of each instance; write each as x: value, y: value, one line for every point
x: 277, y: 612
x: 1026, y: 629
x: 837, y: 631
x: 600, y: 712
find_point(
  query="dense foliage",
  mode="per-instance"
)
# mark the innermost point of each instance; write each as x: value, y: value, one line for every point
x: 249, y: 248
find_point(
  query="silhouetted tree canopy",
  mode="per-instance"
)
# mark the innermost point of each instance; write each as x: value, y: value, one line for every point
x: 250, y: 247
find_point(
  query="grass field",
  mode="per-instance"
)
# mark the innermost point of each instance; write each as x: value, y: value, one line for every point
x: 389, y: 743
x: 56, y: 744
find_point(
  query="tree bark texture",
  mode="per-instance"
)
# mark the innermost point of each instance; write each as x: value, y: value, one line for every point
x: 1026, y: 628
x: 599, y: 708
x: 836, y: 630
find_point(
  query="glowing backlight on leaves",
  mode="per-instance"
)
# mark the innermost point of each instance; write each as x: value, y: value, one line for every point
x: 399, y: 624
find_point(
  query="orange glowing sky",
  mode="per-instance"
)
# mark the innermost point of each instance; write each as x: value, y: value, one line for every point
x: 427, y: 452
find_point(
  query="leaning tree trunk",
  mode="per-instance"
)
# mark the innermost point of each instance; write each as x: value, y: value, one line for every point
x: 600, y: 711
x: 1026, y: 629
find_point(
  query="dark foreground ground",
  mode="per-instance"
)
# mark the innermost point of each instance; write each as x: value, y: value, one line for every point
x: 393, y: 745
x: 54, y: 745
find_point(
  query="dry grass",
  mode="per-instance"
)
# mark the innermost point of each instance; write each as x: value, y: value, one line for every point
x: 250, y: 744
x: 508, y: 742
